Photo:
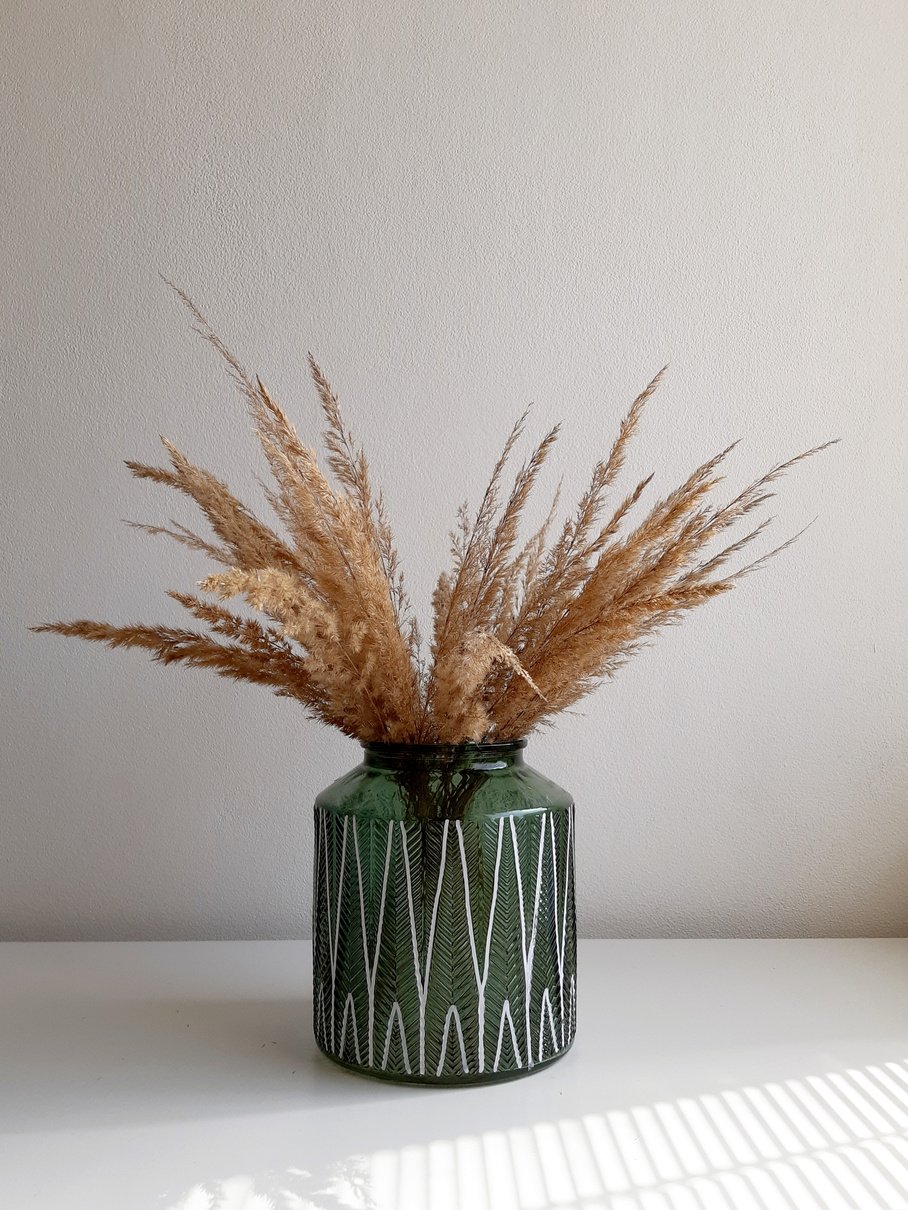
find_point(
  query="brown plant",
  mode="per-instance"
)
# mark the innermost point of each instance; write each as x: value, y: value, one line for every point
x: 521, y: 631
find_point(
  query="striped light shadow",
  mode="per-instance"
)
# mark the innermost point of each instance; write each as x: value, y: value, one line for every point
x: 759, y: 1104
x: 654, y: 1199
x: 472, y: 1193
x: 443, y: 1175
x: 525, y: 1162
x: 682, y: 1197
x: 900, y: 1071
x: 831, y: 1195
x: 690, y: 1157
x: 836, y: 1141
x: 883, y: 1078
x: 861, y: 1103
x: 385, y: 1174
x: 899, y: 1145
x: 413, y: 1179
x: 888, y: 1195
x: 811, y: 1104
x: 623, y: 1201
x: 627, y: 1138
x: 849, y: 1180
x: 581, y: 1161
x: 764, y: 1186
x: 739, y: 1192
x: 750, y: 1126
x: 733, y: 1140
x: 711, y: 1192
x: 876, y: 1097
x: 499, y: 1172
x: 846, y: 1178
x: 889, y: 1162
x: 614, y: 1175
x: 799, y: 1192
x: 843, y: 1109
x: 806, y: 1127
x: 660, y: 1151
x: 706, y: 1138
x: 556, y: 1172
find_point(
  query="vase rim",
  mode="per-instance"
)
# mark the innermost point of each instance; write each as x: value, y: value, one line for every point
x: 496, y: 755
x: 493, y: 747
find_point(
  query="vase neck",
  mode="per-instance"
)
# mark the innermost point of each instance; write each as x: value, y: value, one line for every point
x: 444, y: 756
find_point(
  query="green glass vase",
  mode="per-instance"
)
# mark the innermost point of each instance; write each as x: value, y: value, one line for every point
x: 444, y: 933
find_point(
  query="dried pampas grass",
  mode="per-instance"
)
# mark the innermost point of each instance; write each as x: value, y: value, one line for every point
x: 521, y: 631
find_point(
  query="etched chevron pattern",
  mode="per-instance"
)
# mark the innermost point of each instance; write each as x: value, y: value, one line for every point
x: 444, y: 950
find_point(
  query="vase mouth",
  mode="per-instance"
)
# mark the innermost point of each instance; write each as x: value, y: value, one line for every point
x: 500, y: 745
x: 495, y: 754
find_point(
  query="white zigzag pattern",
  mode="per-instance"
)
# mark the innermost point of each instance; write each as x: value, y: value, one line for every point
x: 395, y: 1011
x: 546, y: 1007
x: 351, y: 1007
x: 506, y: 1016
x: 452, y: 1015
x: 567, y: 995
x: 422, y: 979
x: 482, y: 977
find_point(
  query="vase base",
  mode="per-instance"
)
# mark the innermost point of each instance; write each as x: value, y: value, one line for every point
x: 465, y: 1079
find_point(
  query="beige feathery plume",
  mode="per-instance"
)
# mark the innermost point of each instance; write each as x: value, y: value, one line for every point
x: 522, y: 629
x: 469, y: 544
x: 582, y: 538
x: 171, y: 645
x: 240, y: 531
x: 494, y: 582
x: 611, y: 612
x: 460, y: 708
x: 232, y: 626
x: 337, y: 667
x: 186, y: 537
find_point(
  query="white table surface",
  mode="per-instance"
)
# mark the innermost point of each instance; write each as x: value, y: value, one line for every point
x: 706, y: 1075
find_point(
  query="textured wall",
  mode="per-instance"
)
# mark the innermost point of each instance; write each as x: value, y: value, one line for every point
x: 459, y: 208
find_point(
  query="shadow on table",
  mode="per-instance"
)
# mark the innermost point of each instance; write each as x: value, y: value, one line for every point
x: 97, y: 1062
x: 131, y: 1062
x: 835, y: 1141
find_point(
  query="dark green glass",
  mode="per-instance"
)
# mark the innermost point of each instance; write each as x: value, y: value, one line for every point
x: 444, y: 934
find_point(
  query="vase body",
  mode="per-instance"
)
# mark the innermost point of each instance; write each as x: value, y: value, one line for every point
x: 444, y: 935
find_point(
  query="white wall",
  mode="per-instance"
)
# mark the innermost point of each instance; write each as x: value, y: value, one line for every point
x: 459, y: 208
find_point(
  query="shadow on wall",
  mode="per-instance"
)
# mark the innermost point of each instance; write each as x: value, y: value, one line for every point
x: 837, y: 1141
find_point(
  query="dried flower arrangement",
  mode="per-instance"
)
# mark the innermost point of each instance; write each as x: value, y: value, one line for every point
x: 521, y: 631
